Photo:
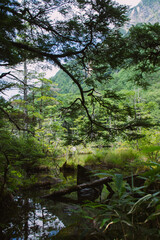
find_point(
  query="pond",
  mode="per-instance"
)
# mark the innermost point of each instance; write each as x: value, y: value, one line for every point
x: 30, y: 216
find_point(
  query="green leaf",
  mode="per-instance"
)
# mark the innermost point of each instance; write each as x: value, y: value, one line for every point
x: 104, y: 222
x: 151, y: 149
x: 127, y: 223
x: 139, y: 202
x: 118, y: 180
x: 152, y: 216
x: 87, y: 217
x: 116, y: 220
x: 38, y: 115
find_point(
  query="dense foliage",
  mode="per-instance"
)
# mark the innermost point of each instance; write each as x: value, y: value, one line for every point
x: 106, y: 92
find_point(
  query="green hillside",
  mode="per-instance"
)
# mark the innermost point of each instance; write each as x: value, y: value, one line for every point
x: 64, y: 83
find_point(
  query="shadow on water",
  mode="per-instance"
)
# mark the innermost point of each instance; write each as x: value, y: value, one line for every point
x: 29, y: 216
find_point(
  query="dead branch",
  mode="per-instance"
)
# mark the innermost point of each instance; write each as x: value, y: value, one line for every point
x: 4, y: 74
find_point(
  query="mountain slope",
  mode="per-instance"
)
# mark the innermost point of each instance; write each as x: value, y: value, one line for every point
x: 147, y: 11
x: 64, y: 83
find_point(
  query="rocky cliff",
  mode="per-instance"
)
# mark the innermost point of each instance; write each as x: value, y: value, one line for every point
x: 146, y: 11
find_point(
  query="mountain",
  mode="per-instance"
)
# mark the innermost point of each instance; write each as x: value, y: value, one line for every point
x: 64, y: 83
x: 147, y: 11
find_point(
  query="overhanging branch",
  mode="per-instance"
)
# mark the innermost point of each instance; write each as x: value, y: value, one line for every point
x: 4, y: 74
x: 11, y: 120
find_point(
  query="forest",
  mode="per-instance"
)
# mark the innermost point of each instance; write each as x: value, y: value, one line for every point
x: 85, y: 142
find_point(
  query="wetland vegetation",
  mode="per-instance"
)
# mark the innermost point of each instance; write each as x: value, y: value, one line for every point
x: 92, y: 128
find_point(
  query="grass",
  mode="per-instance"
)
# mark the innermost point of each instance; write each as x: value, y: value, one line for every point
x: 126, y: 159
x: 122, y: 157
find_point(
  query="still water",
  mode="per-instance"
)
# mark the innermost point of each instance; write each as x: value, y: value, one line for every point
x: 31, y: 217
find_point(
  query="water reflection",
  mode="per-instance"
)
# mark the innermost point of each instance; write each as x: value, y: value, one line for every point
x: 31, y: 217
x: 28, y: 219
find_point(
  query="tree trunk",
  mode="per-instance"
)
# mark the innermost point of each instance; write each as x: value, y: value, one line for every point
x: 5, y: 174
x: 25, y: 96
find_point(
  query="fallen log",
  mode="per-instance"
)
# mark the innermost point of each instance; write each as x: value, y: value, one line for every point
x: 78, y: 187
x: 106, y: 180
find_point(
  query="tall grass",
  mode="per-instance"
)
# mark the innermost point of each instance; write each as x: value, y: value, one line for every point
x: 115, y: 158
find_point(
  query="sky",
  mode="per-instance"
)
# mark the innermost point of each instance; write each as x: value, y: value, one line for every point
x: 131, y: 3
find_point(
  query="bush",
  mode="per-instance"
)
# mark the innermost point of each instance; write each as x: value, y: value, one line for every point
x: 17, y: 156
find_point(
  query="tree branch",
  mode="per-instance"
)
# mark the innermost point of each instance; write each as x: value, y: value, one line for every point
x: 4, y: 74
x: 11, y: 120
x: 45, y: 54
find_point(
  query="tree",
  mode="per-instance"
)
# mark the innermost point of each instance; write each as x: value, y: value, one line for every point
x: 87, y: 34
x: 10, y: 26
x: 73, y: 37
x: 143, y: 44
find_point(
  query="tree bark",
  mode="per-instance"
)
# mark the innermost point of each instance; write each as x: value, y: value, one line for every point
x: 25, y: 96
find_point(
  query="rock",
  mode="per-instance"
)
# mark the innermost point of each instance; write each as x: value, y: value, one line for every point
x: 147, y: 11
